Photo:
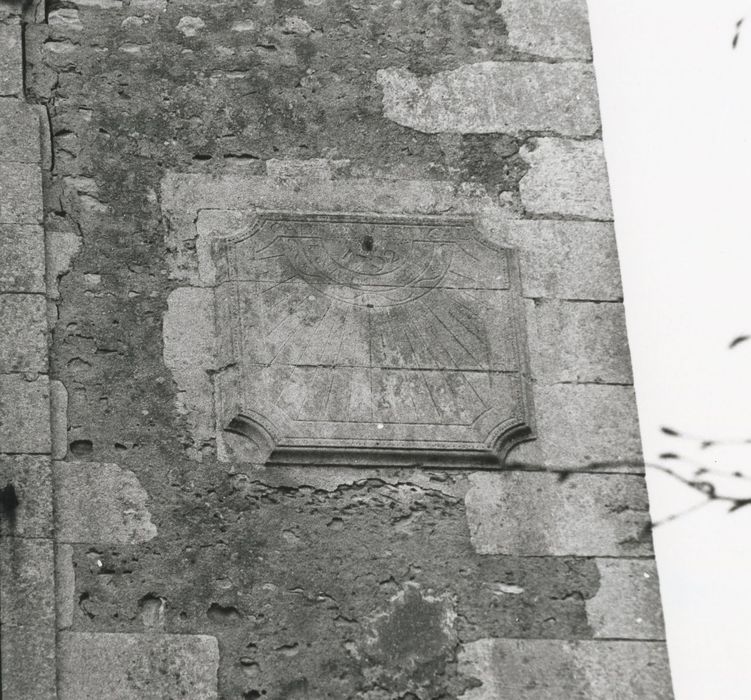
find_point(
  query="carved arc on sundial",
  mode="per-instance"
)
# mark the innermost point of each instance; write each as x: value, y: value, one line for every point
x: 365, y: 340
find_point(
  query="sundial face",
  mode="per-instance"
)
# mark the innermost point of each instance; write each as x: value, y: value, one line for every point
x: 370, y: 340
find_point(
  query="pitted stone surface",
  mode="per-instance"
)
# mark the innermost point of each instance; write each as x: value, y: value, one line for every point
x: 27, y: 648
x: 537, y: 669
x: 550, y: 28
x: 540, y: 513
x: 100, y: 503
x: 566, y: 178
x: 578, y: 341
x: 20, y: 193
x: 24, y: 414
x: 27, y: 586
x: 19, y: 132
x: 492, y: 97
x: 564, y: 259
x: 31, y: 478
x: 22, y: 252
x: 627, y: 604
x: 145, y: 666
x: 23, y: 333
x: 11, y: 61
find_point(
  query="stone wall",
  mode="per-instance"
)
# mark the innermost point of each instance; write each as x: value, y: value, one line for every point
x: 170, y: 556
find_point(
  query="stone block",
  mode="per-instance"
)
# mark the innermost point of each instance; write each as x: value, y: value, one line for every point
x: 566, y: 178
x: 65, y: 585
x: 100, y: 503
x: 145, y: 666
x: 20, y: 193
x: 549, y: 28
x: 19, y: 132
x: 22, y: 253
x: 24, y: 414
x: 189, y: 353
x: 31, y: 478
x: 583, y: 426
x: 525, y: 513
x: 494, y: 97
x: 23, y: 333
x: 28, y: 663
x: 578, y: 341
x: 552, y: 669
x: 11, y: 60
x: 627, y: 604
x: 27, y: 584
x: 563, y: 259
x: 59, y: 419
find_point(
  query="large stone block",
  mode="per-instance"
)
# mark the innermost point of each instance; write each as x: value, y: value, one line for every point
x: 189, y: 353
x: 20, y: 193
x: 566, y: 178
x: 23, y: 333
x: 578, y: 341
x: 563, y: 259
x: 491, y: 97
x: 31, y: 478
x: 539, y: 514
x: 24, y: 414
x: 19, y: 132
x: 100, y: 503
x: 144, y: 666
x: 28, y: 663
x: 27, y: 584
x: 11, y: 60
x: 22, y: 252
x: 583, y: 426
x: 550, y: 28
x: 627, y: 604
x: 552, y: 669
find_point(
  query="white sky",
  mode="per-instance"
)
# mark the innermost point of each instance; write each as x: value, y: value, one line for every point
x: 676, y: 103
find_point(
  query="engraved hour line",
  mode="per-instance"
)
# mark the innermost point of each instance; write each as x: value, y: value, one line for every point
x: 458, y: 342
x: 439, y: 412
x: 422, y: 376
x: 389, y: 322
x: 482, y: 341
x: 297, y: 296
x: 336, y: 360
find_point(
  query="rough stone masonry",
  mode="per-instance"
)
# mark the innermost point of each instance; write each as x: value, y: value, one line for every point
x: 314, y: 380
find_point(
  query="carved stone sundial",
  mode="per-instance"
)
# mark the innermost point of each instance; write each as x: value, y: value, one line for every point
x: 369, y: 340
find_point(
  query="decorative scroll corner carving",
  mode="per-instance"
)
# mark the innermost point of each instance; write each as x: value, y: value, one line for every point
x: 246, y: 440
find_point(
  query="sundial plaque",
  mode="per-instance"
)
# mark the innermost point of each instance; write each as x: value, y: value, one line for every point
x: 370, y: 340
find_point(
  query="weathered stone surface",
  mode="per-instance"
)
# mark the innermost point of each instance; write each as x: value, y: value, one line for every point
x: 541, y: 669
x: 627, y: 604
x: 537, y: 514
x: 584, y: 426
x: 27, y: 584
x: 11, y: 61
x: 28, y: 662
x: 22, y: 252
x: 65, y: 585
x: 59, y: 419
x: 24, y: 414
x: 550, y: 28
x: 564, y: 259
x: 145, y: 666
x: 100, y: 503
x: 566, y: 178
x: 62, y: 248
x: 19, y: 132
x: 20, y: 193
x: 184, y: 195
x: 348, y: 332
x: 23, y: 333
x: 31, y: 478
x: 578, y: 342
x: 189, y: 353
x: 490, y: 97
